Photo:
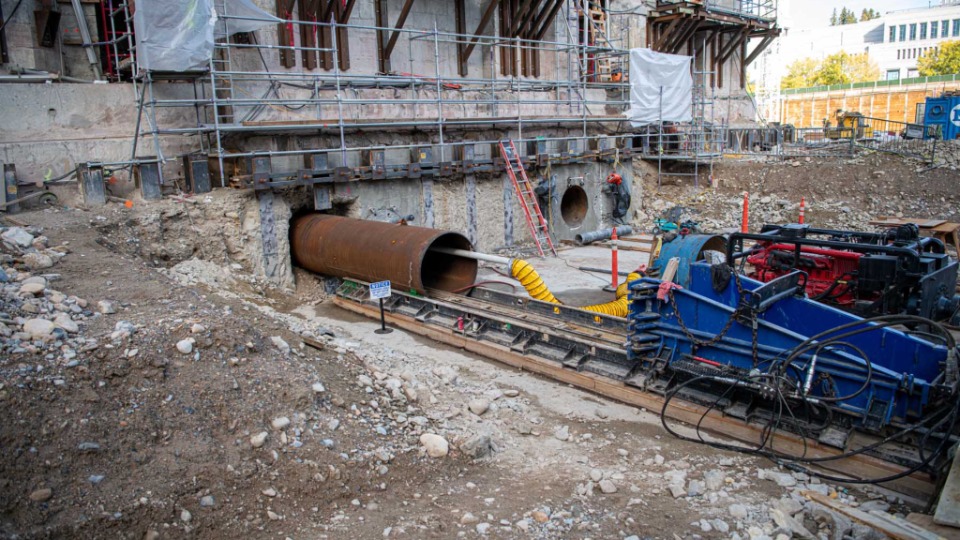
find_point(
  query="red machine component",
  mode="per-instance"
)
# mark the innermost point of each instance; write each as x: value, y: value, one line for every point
x: 831, y: 272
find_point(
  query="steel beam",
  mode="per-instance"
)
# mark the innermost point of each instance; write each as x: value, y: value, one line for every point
x: 543, y: 23
x: 288, y: 57
x: 460, y: 9
x: 395, y: 35
x: 484, y: 20
x: 308, y: 34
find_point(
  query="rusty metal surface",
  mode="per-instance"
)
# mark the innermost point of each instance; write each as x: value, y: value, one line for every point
x: 376, y: 251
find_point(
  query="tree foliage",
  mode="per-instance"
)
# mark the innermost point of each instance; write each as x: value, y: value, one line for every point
x: 848, y: 16
x: 942, y: 60
x: 839, y: 68
x: 869, y: 14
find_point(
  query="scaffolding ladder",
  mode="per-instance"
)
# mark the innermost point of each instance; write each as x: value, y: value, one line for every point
x: 526, y: 196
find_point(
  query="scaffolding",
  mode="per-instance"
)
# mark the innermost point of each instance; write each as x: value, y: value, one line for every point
x: 242, y: 95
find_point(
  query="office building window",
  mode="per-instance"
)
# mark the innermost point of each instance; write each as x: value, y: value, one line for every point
x: 893, y: 34
x: 944, y: 29
x: 923, y: 30
x: 898, y: 54
x: 903, y: 32
x: 913, y: 31
x: 893, y: 74
x: 933, y: 29
x: 956, y: 27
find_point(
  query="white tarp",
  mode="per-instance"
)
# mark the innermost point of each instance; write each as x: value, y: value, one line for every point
x: 178, y: 35
x: 661, y: 88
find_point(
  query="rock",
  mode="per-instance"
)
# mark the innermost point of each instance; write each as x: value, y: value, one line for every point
x: 64, y: 321
x: 678, y: 491
x: 151, y: 535
x: 38, y: 328
x: 562, y: 433
x: 511, y: 393
x: 272, y: 516
x: 96, y: 478
x: 874, y: 506
x: 185, y: 346
x: 207, y: 501
x: 318, y: 388
x: 607, y: 486
x: 478, y: 446
x: 435, y: 445
x: 539, y: 516
x: 88, y: 447
x: 37, y: 261
x: 695, y: 488
x: 479, y: 406
x: 32, y: 289
x: 469, y: 519
x: 41, y: 495
x: 781, y: 479
x: 107, y: 307
x: 280, y: 423
x: 713, y: 479
x: 523, y: 525
x: 789, y: 506
x: 596, y: 475
x: 18, y: 236
x: 269, y: 492
x: 482, y: 528
x: 721, y: 525
x: 185, y: 516
x: 786, y: 522
x: 738, y: 511
x: 259, y: 439
x: 280, y: 344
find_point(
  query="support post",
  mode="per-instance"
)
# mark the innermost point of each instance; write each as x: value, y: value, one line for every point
x: 196, y: 169
x: 10, y: 189
x: 147, y: 178
x: 92, y: 189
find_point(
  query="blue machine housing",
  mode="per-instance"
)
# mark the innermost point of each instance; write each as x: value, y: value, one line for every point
x: 943, y: 112
x: 907, y: 379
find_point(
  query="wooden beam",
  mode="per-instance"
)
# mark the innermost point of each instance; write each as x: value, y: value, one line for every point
x: 288, y: 57
x: 859, y: 466
x: 543, y: 22
x: 308, y: 33
x: 764, y: 43
x: 664, y: 34
x: 484, y: 20
x: 401, y: 20
x: 460, y: 9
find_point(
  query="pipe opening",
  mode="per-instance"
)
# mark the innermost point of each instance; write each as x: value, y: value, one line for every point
x: 447, y: 272
x: 573, y: 206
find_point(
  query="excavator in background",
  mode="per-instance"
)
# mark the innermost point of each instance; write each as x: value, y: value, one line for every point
x: 849, y: 125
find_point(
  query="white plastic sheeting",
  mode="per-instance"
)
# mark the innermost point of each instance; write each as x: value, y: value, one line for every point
x: 661, y: 87
x: 178, y: 35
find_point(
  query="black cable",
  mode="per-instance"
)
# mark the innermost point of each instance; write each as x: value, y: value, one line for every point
x: 12, y: 13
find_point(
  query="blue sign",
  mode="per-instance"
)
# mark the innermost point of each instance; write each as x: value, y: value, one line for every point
x: 378, y: 290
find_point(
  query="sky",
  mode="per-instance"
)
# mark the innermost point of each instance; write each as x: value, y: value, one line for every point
x: 814, y: 13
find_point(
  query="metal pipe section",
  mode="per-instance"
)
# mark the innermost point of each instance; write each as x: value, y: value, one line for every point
x: 376, y: 251
x: 472, y: 255
x: 602, y: 234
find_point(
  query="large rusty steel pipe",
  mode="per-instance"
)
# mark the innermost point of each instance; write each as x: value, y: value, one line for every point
x: 377, y: 251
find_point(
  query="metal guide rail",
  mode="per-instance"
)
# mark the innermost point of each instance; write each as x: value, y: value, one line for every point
x: 590, y: 350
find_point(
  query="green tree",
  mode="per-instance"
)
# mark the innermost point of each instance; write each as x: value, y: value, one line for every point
x: 843, y: 68
x: 847, y: 16
x: 868, y: 14
x: 942, y: 60
x: 834, y: 20
x: 800, y: 74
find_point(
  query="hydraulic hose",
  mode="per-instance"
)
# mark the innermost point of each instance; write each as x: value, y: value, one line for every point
x: 524, y: 272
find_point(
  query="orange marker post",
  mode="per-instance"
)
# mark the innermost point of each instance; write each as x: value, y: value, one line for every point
x: 744, y: 221
x: 803, y: 207
x: 615, y: 276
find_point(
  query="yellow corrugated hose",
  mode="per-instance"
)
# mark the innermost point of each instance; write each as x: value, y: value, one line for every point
x: 523, y: 272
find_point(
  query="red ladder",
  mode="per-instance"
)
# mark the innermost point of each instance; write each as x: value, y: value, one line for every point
x: 528, y: 199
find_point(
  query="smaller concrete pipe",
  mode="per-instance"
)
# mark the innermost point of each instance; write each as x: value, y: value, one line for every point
x: 375, y: 251
x: 602, y: 234
x: 471, y: 255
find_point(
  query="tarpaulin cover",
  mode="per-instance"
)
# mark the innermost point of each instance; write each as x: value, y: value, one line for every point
x: 660, y: 88
x: 178, y: 35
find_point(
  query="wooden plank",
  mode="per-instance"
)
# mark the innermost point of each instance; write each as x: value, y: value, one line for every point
x: 860, y: 466
x: 925, y: 521
x: 948, y: 506
x: 894, y: 527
